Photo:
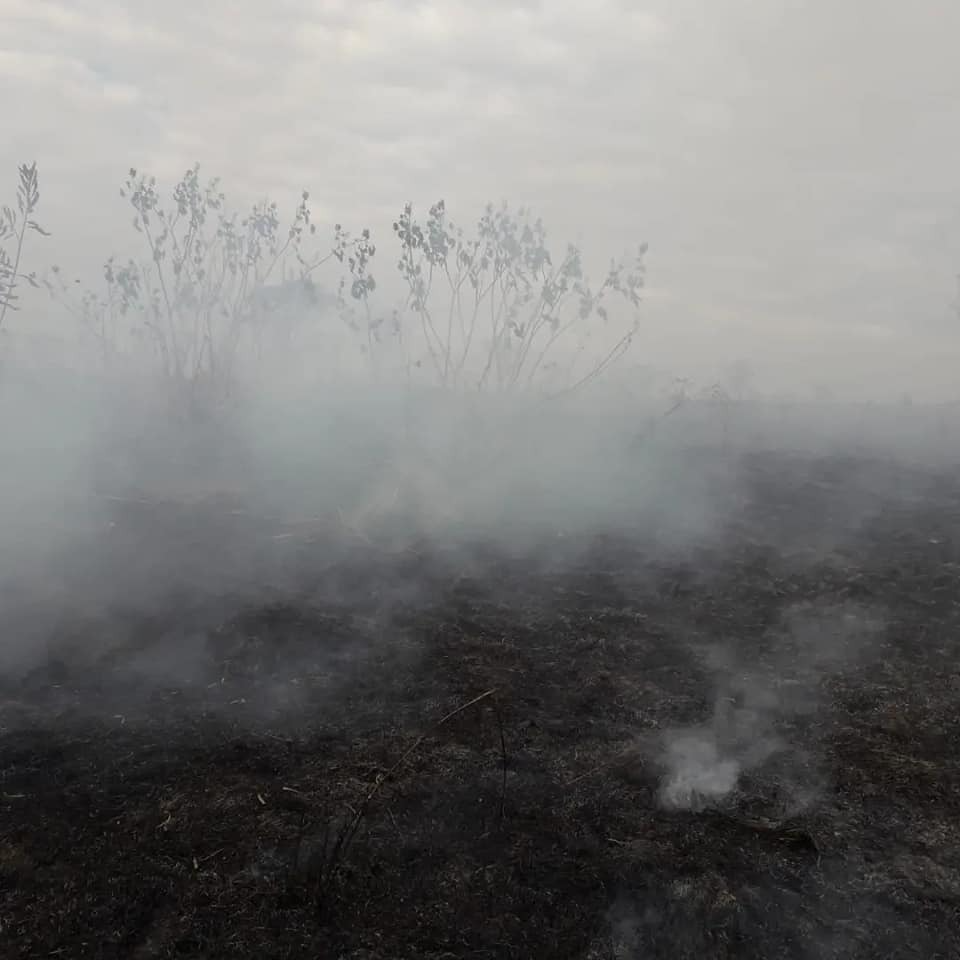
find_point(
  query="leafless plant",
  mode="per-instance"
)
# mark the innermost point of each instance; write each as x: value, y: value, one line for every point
x: 500, y: 298
x: 14, y: 226
x: 490, y: 308
x: 203, y: 281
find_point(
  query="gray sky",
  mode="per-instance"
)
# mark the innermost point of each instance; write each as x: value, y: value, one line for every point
x: 794, y: 164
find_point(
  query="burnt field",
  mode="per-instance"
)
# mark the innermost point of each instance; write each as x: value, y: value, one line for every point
x: 606, y: 746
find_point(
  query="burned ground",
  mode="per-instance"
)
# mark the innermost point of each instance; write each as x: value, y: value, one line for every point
x: 459, y: 752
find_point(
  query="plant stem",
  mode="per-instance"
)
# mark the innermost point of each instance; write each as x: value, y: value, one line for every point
x: 16, y: 272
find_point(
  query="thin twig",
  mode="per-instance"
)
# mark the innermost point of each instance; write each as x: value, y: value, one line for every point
x: 620, y: 755
x: 503, y: 755
x: 348, y: 833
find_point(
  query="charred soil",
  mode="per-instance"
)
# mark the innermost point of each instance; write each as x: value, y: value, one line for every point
x: 441, y: 751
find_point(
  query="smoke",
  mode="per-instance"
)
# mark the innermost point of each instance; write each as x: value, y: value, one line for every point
x: 699, y: 773
x: 754, y: 705
x: 116, y: 498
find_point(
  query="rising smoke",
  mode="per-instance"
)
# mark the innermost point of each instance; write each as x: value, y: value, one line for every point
x: 754, y: 705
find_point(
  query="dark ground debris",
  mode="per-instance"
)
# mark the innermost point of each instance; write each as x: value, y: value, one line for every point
x: 432, y: 753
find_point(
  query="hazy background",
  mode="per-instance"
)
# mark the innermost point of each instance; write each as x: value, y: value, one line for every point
x: 792, y: 164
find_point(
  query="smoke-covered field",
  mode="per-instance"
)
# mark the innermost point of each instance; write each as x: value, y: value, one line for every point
x: 479, y: 481
x: 384, y: 675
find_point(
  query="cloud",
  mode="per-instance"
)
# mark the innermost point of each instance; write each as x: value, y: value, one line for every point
x: 789, y: 163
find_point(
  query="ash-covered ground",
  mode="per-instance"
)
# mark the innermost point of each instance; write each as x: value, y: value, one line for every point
x: 608, y: 745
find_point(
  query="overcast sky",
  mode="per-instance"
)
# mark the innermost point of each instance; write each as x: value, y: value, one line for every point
x: 794, y: 164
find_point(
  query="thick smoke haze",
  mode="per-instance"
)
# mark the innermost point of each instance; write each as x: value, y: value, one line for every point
x: 287, y: 462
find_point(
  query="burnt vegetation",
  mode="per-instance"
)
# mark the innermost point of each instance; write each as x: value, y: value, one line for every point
x: 476, y: 771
